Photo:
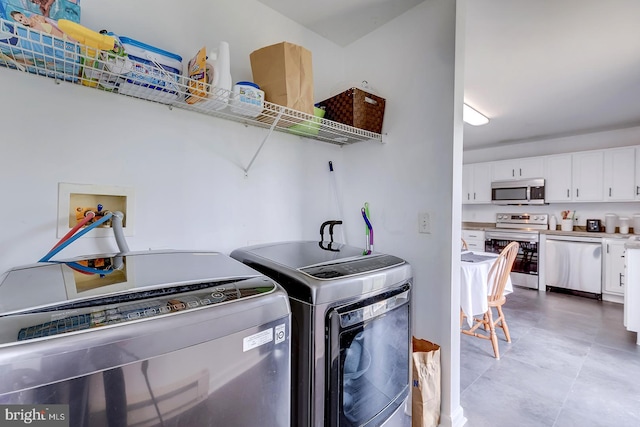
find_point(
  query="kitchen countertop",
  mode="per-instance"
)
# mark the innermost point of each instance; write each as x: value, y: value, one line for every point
x: 478, y: 225
x: 579, y: 231
x: 633, y: 243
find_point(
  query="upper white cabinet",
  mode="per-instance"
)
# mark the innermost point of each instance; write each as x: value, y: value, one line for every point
x: 557, y: 174
x: 619, y: 174
x: 532, y: 167
x: 610, y: 175
x: 574, y: 177
x: 587, y: 176
x: 476, y: 183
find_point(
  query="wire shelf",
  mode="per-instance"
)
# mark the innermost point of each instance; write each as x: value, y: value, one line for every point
x: 28, y: 50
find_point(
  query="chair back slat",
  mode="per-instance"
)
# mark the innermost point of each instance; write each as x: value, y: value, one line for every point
x: 500, y: 270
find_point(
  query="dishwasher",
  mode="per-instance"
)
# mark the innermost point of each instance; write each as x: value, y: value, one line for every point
x: 574, y: 265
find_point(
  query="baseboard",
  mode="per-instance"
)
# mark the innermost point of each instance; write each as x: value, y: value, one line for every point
x: 613, y: 298
x: 456, y: 419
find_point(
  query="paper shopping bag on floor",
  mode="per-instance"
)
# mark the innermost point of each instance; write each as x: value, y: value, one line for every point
x: 426, y: 384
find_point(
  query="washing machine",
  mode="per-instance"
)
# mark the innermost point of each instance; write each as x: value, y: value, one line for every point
x: 158, y: 338
x: 350, y: 330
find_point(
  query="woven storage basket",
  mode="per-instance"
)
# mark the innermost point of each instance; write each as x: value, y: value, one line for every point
x: 357, y: 108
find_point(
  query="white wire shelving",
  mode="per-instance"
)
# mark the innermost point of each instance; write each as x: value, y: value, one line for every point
x: 31, y: 51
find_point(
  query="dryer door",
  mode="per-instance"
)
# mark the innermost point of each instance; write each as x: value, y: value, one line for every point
x: 368, y: 363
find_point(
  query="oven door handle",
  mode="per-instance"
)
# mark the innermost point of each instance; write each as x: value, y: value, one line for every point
x: 518, y: 237
x: 375, y: 309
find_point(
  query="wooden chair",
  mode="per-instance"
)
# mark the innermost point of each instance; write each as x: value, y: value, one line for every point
x: 498, y: 275
x: 465, y: 247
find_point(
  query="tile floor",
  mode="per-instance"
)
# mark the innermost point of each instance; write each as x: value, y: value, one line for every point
x: 570, y: 363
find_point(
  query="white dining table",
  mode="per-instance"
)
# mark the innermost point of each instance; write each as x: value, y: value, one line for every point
x: 474, y: 286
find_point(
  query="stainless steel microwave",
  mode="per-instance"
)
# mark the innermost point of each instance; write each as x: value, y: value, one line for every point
x: 518, y: 192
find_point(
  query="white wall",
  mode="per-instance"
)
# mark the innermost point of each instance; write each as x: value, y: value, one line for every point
x: 186, y: 168
x: 583, y: 211
x: 413, y: 172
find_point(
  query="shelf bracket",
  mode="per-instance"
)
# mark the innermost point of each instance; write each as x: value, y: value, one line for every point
x: 275, y: 122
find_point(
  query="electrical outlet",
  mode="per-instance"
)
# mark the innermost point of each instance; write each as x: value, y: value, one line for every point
x: 76, y: 200
x: 424, y: 223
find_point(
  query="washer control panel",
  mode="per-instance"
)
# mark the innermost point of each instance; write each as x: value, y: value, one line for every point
x: 136, y: 306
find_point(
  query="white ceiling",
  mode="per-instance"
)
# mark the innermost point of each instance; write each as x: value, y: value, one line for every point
x: 548, y: 68
x: 538, y: 69
x: 342, y: 21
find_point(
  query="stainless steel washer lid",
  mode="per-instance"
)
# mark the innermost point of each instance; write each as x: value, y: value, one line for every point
x: 300, y: 254
x: 49, y: 299
x: 311, y: 273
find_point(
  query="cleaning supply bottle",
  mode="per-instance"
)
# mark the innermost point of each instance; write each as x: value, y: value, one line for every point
x: 553, y: 223
x: 222, y: 83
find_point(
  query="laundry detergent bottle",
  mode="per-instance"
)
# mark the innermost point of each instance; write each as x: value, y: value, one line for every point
x: 222, y: 83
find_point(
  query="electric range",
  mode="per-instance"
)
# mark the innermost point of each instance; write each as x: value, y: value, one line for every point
x: 524, y: 229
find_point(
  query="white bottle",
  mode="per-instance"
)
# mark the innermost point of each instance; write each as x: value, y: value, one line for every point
x: 623, y: 225
x: 222, y: 84
x: 553, y: 223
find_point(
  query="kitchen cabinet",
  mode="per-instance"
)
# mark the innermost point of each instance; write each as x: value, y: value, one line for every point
x: 532, y: 167
x: 576, y: 177
x: 587, y: 176
x: 614, y: 261
x: 619, y: 175
x: 557, y: 174
x: 476, y: 183
x: 474, y: 239
x: 632, y: 291
x: 637, y: 174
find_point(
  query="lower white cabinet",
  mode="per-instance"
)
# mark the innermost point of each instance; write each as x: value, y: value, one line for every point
x: 614, y: 259
x: 632, y: 292
x: 474, y: 239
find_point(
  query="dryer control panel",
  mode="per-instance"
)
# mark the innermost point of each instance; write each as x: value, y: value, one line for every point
x: 345, y: 268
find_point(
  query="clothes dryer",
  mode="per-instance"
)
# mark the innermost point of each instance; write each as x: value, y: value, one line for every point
x: 351, y: 340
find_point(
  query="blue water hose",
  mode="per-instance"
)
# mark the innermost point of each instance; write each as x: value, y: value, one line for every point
x: 89, y: 270
x: 72, y: 239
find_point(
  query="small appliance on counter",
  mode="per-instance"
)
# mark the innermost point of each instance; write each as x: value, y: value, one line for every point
x: 610, y: 222
x: 594, y: 225
x: 623, y: 225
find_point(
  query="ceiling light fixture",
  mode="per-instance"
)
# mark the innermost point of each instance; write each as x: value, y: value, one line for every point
x: 473, y: 117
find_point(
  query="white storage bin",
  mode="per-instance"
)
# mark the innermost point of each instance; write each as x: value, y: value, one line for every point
x: 155, y: 73
x: 247, y: 100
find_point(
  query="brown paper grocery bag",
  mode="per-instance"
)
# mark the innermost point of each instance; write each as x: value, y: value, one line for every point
x: 425, y: 393
x: 284, y: 71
